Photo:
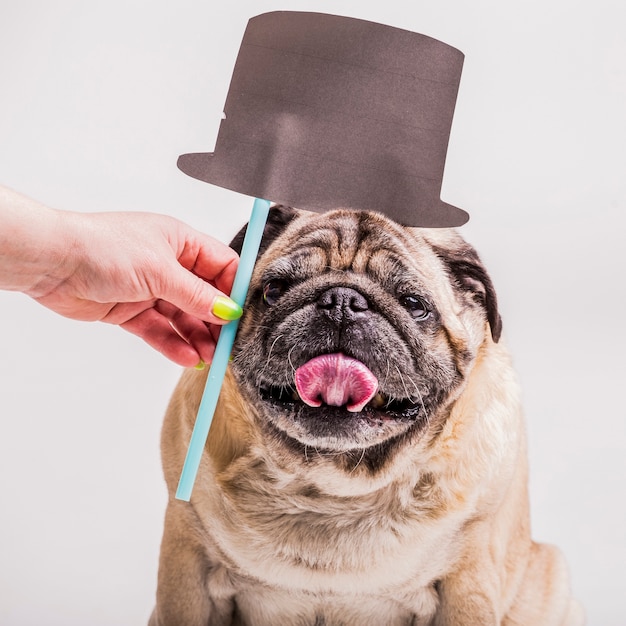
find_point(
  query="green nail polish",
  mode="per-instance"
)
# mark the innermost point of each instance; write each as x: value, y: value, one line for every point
x: 200, y: 365
x: 226, y: 309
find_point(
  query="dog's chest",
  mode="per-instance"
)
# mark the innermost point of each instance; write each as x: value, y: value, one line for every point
x: 355, y: 561
x: 269, y: 607
x: 291, y: 537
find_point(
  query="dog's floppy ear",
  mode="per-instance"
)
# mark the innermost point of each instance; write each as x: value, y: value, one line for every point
x: 278, y: 219
x: 470, y: 275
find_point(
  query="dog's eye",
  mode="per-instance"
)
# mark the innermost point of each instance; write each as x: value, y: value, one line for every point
x: 272, y: 290
x: 415, y: 306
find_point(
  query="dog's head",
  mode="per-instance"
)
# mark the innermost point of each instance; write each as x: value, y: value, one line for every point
x: 359, y: 334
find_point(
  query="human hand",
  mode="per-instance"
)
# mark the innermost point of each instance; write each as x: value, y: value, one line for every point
x: 150, y: 274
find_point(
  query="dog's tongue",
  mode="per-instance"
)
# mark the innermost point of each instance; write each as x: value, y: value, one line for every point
x: 336, y: 379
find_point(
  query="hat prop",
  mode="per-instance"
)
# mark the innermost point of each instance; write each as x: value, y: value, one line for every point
x: 324, y: 112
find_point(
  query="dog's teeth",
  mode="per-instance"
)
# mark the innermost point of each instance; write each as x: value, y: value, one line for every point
x: 295, y: 396
x: 377, y: 401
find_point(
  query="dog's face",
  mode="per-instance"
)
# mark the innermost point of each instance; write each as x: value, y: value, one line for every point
x: 359, y: 333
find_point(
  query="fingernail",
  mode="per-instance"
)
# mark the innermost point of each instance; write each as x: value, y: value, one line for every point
x: 200, y: 365
x: 226, y: 309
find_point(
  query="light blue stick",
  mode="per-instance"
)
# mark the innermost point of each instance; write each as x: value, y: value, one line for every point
x: 224, y: 346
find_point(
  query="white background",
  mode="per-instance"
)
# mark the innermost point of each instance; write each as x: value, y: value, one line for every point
x: 97, y: 100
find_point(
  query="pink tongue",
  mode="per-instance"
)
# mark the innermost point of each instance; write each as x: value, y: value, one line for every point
x: 336, y: 379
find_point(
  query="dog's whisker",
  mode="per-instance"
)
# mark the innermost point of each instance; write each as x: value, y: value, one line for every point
x: 406, y: 390
x: 269, y: 354
x: 387, y: 374
x: 267, y: 362
x: 421, y: 400
x: 293, y: 369
x: 417, y: 396
x: 359, y: 461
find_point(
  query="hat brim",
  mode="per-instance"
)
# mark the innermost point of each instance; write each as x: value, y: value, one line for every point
x: 308, y: 182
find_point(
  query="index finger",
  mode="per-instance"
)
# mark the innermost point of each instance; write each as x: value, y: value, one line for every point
x: 210, y: 259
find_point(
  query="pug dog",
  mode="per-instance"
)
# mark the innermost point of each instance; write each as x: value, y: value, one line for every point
x: 367, y: 460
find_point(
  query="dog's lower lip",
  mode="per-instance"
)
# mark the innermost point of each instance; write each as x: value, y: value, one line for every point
x: 380, y: 403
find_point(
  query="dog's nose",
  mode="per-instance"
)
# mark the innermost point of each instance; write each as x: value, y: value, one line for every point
x: 342, y: 303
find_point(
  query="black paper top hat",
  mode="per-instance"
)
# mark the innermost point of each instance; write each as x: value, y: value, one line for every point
x: 326, y: 111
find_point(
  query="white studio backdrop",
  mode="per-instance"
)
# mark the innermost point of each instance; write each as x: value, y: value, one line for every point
x: 97, y: 100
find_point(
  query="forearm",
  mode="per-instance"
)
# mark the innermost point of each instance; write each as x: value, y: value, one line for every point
x: 36, y: 244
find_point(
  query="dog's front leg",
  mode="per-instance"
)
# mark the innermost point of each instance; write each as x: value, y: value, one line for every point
x: 185, y: 596
x: 468, y: 597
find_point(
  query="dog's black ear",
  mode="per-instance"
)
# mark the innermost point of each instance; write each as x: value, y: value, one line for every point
x: 470, y: 276
x: 277, y: 220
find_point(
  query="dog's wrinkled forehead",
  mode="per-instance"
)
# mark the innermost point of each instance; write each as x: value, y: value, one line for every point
x: 347, y: 240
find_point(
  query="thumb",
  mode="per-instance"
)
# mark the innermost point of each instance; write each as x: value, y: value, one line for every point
x: 199, y: 298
